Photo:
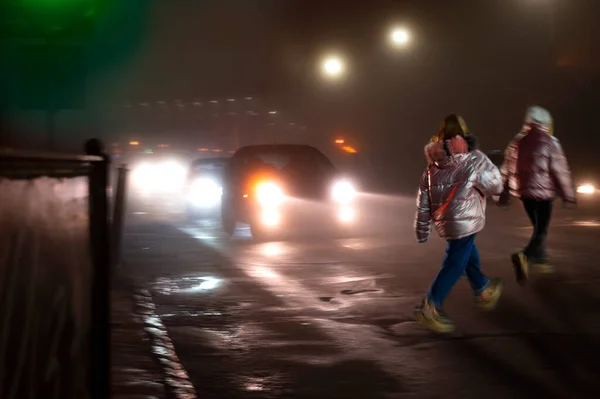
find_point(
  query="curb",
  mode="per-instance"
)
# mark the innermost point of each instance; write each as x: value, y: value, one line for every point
x: 176, y: 379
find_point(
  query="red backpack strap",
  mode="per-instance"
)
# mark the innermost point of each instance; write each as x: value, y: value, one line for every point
x: 429, y: 176
x: 447, y: 202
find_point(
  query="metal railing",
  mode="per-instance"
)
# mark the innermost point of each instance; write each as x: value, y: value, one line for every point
x: 55, y: 274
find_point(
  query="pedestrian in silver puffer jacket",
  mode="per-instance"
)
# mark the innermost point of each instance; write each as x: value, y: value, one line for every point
x: 536, y: 170
x: 469, y: 176
x: 452, y: 195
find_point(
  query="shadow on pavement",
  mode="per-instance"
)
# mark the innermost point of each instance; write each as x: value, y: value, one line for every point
x: 507, y: 374
x: 567, y: 357
x: 356, y: 379
x: 577, y: 354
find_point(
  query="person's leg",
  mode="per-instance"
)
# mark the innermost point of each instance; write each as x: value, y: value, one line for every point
x: 455, y: 262
x: 537, y: 247
x: 538, y: 256
x: 487, y: 291
x: 458, y: 253
x: 532, y: 209
x: 520, y: 259
x: 540, y: 212
x: 476, y: 277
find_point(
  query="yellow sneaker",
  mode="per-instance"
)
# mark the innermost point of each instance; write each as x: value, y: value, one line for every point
x: 521, y: 266
x: 488, y: 299
x: 433, y: 319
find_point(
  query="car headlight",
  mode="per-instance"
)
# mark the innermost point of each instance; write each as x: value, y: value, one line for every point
x: 142, y: 176
x: 269, y: 193
x: 270, y: 217
x: 167, y: 176
x: 586, y: 189
x: 205, y: 192
x: 346, y: 214
x: 343, y: 192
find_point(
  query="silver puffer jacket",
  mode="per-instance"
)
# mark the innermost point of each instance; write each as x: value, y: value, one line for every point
x: 535, y: 167
x: 453, y: 190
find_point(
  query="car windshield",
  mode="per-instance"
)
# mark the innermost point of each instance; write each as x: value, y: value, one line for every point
x: 291, y: 160
x: 208, y: 167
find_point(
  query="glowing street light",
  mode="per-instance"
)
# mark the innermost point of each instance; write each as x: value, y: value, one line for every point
x: 399, y: 37
x: 333, y: 67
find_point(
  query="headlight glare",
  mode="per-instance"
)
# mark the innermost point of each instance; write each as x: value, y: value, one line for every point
x: 343, y: 192
x: 142, y: 176
x: 205, y: 192
x: 269, y: 193
x: 586, y: 189
x: 160, y: 176
x: 271, y: 217
x: 346, y: 214
x: 170, y: 175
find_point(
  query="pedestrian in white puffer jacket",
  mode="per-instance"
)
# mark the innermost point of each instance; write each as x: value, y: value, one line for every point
x: 536, y: 170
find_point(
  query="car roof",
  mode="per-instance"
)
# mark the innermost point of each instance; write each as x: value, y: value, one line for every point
x: 218, y: 160
x: 267, y: 147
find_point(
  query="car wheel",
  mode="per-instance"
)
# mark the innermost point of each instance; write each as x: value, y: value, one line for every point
x: 228, y: 222
x: 229, y: 225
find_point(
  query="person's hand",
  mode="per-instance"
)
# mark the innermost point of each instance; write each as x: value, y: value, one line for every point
x: 570, y: 204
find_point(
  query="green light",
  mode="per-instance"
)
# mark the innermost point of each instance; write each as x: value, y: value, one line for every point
x: 56, y: 17
x: 56, y: 3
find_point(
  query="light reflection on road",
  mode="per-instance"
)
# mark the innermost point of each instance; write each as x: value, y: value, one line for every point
x: 187, y: 285
x: 324, y: 302
x: 272, y: 249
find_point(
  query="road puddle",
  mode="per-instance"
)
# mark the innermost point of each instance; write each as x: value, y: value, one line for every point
x: 187, y: 313
x: 186, y: 285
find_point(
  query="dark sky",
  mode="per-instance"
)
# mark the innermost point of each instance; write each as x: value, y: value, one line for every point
x: 203, y: 47
x: 487, y: 60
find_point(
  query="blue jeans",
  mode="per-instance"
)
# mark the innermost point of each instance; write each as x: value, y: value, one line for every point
x: 461, y: 258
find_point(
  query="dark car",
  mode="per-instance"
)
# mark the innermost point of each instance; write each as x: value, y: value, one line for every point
x: 204, y: 187
x: 275, y: 187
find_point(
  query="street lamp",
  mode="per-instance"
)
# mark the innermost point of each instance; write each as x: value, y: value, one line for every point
x: 399, y: 37
x: 333, y: 67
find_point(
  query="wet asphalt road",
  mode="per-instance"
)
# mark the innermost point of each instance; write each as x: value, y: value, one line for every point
x: 325, y: 317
